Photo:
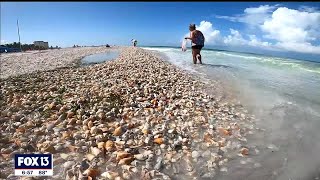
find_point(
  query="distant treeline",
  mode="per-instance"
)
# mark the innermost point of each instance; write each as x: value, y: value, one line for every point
x: 28, y: 47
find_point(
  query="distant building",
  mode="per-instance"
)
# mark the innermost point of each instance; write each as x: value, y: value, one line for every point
x: 41, y: 44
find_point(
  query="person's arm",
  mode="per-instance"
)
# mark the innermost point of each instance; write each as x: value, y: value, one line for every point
x: 191, y: 37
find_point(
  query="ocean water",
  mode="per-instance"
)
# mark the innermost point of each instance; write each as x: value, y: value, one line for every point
x: 100, y: 57
x: 284, y: 96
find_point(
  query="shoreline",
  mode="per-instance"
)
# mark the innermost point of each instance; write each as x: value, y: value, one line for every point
x: 136, y: 116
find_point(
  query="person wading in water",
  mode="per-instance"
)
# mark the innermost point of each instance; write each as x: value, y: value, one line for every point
x: 197, y: 43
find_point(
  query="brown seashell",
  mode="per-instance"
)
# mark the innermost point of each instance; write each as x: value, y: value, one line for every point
x: 17, y: 142
x: 66, y: 135
x: 70, y: 114
x: 126, y: 161
x: 92, y: 172
x: 208, y: 138
x: 117, y: 131
x: 121, y: 155
x: 223, y: 131
x: 140, y: 157
x: 101, y: 145
x: 109, y: 145
x: 158, y: 140
x: 6, y: 156
x: 48, y: 148
x: 245, y: 151
x: 90, y: 124
x: 130, y: 126
x: 21, y: 130
x: 72, y: 121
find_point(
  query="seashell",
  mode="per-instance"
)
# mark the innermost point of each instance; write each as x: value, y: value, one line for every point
x: 129, y: 168
x: 85, y: 127
x: 72, y: 121
x: 145, y: 131
x: 244, y: 151
x: 223, y: 131
x: 110, y: 175
x: 140, y: 157
x: 91, y: 172
x: 109, y: 145
x: 68, y: 164
x: 101, y: 145
x: 121, y: 155
x: 64, y: 156
x: 189, y: 104
x: 50, y: 126
x: 195, y: 154
x: 221, y: 143
x: 101, y: 115
x: 117, y: 131
x: 159, y: 140
x: 52, y: 105
x: 158, y: 164
x: 90, y: 124
x: 94, y: 130
x: 95, y: 151
x: 70, y: 114
x: 66, y: 135
x: 20, y: 130
x: 90, y: 157
x: 72, y: 148
x: 126, y: 161
x: 208, y: 138
x: 48, y: 148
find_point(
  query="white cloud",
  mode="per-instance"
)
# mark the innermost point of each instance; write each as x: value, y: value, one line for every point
x: 292, y: 30
x: 289, y: 25
x: 235, y: 38
x: 252, y: 16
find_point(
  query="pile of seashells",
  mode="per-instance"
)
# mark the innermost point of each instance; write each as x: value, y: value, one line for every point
x: 137, y: 117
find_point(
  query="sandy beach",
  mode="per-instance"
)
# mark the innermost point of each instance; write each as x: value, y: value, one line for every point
x: 136, y: 117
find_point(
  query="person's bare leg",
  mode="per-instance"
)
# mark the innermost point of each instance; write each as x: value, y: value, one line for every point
x: 198, y: 56
x: 194, y: 56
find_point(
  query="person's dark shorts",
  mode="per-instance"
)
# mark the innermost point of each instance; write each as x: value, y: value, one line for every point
x: 197, y: 47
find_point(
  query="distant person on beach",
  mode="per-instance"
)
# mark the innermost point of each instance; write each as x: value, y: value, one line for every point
x: 197, y: 43
x: 134, y: 42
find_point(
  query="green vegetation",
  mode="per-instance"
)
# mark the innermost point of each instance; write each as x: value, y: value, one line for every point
x: 28, y: 47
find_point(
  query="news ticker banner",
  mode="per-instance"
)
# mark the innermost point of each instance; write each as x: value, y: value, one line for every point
x: 33, y: 165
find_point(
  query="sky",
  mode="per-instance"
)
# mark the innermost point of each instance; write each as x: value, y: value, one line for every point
x: 288, y: 27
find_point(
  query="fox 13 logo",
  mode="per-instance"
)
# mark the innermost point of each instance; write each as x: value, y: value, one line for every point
x: 33, y: 165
